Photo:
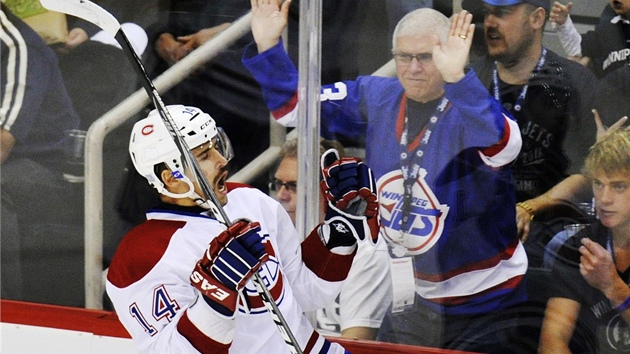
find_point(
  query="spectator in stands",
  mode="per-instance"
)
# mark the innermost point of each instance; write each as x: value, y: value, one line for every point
x: 434, y: 138
x: 589, y: 308
x: 614, y: 90
x: 35, y: 111
x: 127, y: 13
x: 96, y: 71
x: 576, y: 188
x: 359, y: 309
x: 551, y: 97
x: 223, y: 87
x: 605, y: 48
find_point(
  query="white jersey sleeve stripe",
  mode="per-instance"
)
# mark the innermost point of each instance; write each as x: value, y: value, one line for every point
x: 474, y: 282
x: 212, y: 325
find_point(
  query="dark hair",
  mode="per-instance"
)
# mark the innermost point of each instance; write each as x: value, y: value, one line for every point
x: 158, y: 169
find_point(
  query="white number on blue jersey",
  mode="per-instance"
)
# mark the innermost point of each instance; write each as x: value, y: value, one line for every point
x: 339, y: 92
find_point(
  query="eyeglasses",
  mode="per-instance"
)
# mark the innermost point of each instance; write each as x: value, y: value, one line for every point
x: 405, y: 59
x: 275, y: 185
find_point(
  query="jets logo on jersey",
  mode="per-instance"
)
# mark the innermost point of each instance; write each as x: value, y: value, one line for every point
x: 427, y: 215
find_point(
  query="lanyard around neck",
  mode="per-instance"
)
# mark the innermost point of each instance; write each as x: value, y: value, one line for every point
x: 518, y: 105
x: 410, y: 161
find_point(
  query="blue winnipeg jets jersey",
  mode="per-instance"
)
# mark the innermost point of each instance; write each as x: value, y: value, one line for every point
x: 467, y: 256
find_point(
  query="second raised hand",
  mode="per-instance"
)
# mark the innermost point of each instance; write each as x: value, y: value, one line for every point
x: 269, y: 18
x: 451, y: 56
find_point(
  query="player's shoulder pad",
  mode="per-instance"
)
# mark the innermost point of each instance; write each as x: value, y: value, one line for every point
x: 140, y: 250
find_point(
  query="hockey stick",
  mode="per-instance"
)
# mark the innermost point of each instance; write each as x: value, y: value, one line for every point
x: 95, y: 14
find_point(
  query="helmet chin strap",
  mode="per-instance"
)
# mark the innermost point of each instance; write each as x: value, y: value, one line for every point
x: 190, y: 194
x: 207, y: 204
x: 202, y: 202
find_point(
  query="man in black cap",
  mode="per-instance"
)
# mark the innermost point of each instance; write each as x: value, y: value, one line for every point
x: 538, y: 3
x: 551, y: 97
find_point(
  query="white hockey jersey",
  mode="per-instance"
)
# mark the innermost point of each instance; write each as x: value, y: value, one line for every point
x: 148, y: 282
x: 365, y: 296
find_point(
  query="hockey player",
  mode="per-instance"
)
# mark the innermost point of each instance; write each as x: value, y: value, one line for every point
x: 150, y: 276
x: 440, y: 147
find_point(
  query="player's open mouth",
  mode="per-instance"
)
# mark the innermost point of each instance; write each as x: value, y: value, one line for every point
x: 220, y: 182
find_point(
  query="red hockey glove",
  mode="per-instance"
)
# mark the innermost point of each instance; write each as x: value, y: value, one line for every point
x: 350, y: 189
x: 349, y: 184
x: 229, y: 262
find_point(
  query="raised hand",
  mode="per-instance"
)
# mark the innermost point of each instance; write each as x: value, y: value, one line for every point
x: 597, y: 266
x: 559, y: 13
x: 269, y: 18
x: 349, y: 188
x: 230, y: 261
x: 348, y: 184
x: 602, y: 130
x: 451, y: 56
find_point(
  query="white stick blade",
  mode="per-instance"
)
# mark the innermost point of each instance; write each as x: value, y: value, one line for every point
x: 86, y: 10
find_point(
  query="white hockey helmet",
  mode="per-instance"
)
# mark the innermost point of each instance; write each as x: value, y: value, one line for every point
x: 151, y: 144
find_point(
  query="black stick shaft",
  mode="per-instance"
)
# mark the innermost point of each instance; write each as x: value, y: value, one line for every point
x: 218, y: 210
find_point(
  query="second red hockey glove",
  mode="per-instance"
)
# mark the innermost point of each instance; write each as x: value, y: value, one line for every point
x: 350, y: 189
x: 230, y: 261
x: 348, y: 184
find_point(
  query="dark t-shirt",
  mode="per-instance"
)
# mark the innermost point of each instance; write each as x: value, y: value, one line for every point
x: 556, y: 122
x: 599, y: 329
x: 615, y: 94
x: 608, y: 45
